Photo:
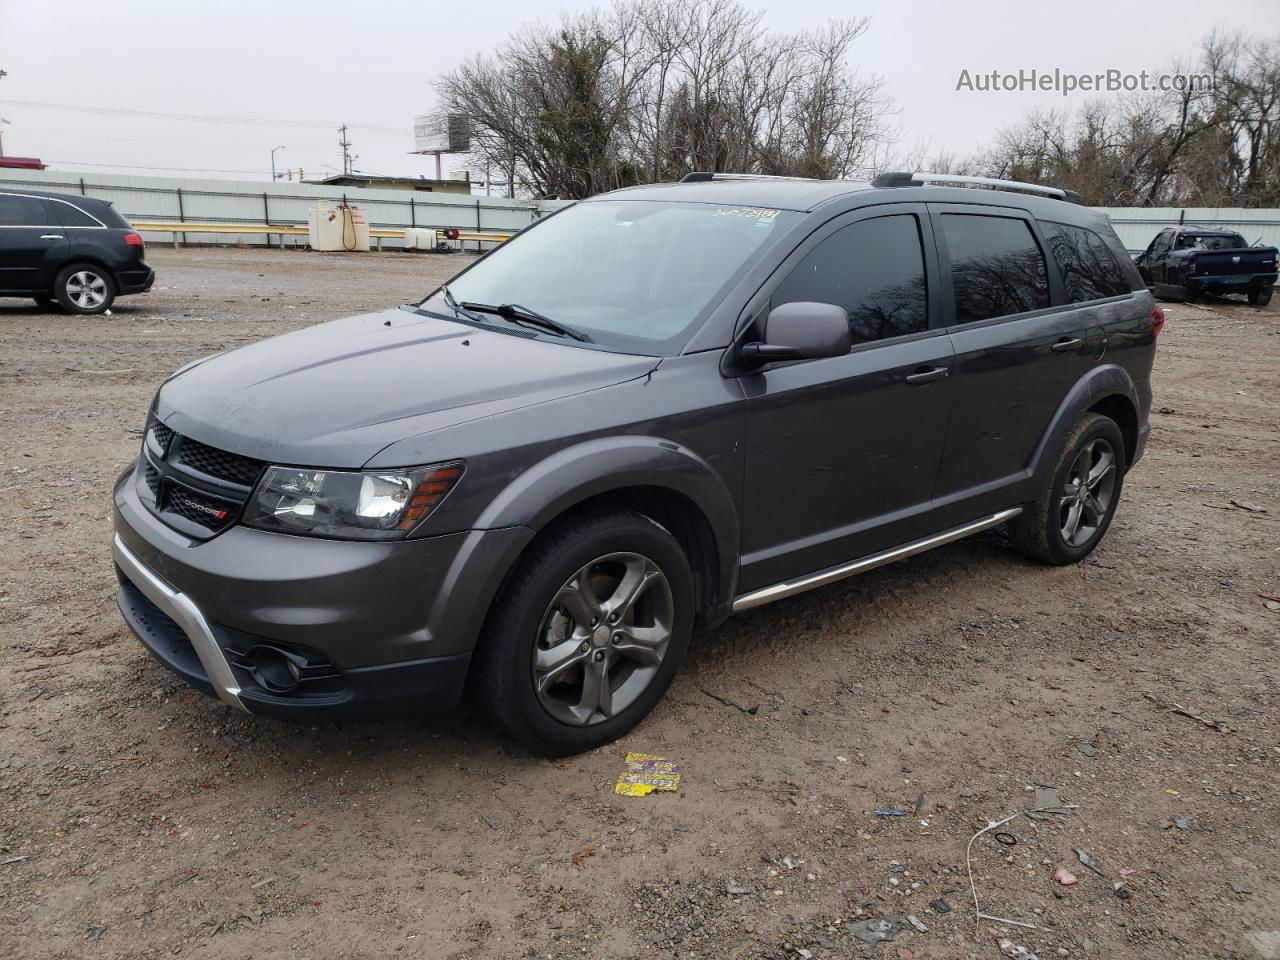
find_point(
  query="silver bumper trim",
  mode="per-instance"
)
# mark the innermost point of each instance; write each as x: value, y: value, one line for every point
x: 759, y: 598
x: 185, y: 614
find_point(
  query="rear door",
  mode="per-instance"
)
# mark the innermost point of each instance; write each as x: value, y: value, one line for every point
x: 1016, y: 354
x: 32, y: 244
x: 842, y: 453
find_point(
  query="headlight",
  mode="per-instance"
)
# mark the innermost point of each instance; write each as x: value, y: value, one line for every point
x: 349, y: 505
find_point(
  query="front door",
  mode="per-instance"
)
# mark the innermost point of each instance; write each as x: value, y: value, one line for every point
x: 842, y: 453
x: 31, y: 247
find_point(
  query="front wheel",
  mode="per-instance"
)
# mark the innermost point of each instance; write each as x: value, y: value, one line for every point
x: 84, y: 288
x: 1072, y: 515
x: 587, y: 635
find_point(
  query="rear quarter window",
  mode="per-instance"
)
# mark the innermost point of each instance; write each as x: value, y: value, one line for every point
x: 1089, y: 268
x: 72, y: 216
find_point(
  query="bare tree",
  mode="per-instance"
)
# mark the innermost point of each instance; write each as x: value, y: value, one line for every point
x: 653, y: 89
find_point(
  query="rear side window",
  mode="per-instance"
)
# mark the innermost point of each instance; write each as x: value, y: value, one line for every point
x: 1088, y: 267
x: 22, y: 211
x: 72, y: 216
x: 874, y: 269
x: 997, y: 268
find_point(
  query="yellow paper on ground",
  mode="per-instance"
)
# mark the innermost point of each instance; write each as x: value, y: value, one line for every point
x: 646, y: 773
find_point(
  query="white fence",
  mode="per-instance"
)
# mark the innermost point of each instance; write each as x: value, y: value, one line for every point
x: 234, y: 201
x: 1137, y: 225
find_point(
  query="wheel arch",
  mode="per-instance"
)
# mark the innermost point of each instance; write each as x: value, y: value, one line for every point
x: 1106, y: 389
x: 661, y: 479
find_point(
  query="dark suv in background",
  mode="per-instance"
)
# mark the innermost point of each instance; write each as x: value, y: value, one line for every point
x: 73, y: 251
x: 644, y: 413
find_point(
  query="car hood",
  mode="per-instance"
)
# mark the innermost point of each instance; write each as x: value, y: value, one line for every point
x: 333, y: 395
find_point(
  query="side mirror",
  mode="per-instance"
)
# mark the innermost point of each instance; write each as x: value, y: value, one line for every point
x: 802, y: 331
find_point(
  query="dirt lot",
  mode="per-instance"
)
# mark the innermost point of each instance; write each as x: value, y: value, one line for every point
x: 139, y: 819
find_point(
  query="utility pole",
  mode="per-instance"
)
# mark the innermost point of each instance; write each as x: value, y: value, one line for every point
x: 345, y: 144
x: 274, y: 175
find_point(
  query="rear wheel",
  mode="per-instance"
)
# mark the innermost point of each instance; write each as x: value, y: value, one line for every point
x: 588, y: 633
x: 84, y: 288
x: 1260, y: 295
x: 1072, y: 515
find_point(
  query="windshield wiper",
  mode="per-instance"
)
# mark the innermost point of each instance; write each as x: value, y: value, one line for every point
x: 529, y: 318
x: 457, y: 307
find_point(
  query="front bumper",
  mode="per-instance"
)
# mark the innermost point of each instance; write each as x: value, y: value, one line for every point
x: 376, y: 625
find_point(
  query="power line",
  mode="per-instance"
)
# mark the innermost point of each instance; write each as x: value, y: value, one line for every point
x: 138, y: 166
x: 196, y: 117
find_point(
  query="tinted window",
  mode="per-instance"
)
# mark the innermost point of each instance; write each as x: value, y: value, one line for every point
x: 73, y: 216
x: 22, y: 211
x: 874, y: 269
x: 996, y: 266
x: 1162, y: 242
x: 1088, y: 267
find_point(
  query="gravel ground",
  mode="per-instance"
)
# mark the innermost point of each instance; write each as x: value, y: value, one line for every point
x: 140, y: 819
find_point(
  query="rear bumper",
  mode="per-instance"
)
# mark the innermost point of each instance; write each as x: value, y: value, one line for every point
x: 136, y: 281
x: 1235, y: 282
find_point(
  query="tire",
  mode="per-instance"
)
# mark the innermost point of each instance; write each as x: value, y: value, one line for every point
x: 539, y: 666
x: 1043, y: 531
x: 84, y: 288
x: 45, y: 302
x: 1260, y: 296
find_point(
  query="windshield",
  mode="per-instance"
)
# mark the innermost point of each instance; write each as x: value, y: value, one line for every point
x: 635, y: 275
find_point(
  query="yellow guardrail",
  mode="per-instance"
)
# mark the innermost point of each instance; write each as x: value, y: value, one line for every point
x: 294, y: 230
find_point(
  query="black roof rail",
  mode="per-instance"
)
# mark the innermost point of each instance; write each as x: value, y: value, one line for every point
x: 919, y: 178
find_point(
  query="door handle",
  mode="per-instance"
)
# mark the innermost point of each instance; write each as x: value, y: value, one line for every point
x: 50, y: 236
x: 926, y: 375
x: 1066, y: 344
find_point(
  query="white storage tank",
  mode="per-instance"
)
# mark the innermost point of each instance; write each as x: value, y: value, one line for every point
x: 337, y: 228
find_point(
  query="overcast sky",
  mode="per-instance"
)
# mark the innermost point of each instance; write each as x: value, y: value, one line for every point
x: 370, y: 64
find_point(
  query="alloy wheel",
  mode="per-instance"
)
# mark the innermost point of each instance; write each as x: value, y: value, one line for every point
x: 1087, y: 492
x: 603, y: 638
x: 86, y: 289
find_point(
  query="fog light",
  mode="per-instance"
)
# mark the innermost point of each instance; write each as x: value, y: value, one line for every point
x: 274, y: 669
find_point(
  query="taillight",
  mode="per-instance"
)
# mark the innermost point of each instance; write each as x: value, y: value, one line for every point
x: 134, y: 240
x: 1157, y: 320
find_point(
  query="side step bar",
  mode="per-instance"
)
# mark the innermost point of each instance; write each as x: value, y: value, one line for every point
x: 789, y: 588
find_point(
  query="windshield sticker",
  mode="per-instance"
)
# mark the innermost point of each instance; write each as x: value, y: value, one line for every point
x: 750, y: 213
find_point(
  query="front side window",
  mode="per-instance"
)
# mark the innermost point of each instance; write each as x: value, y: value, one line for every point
x: 1088, y: 267
x: 997, y: 268
x: 22, y: 211
x: 1162, y: 242
x: 634, y: 275
x: 874, y: 269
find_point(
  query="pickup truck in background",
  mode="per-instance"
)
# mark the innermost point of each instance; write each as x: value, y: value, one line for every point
x: 1187, y: 262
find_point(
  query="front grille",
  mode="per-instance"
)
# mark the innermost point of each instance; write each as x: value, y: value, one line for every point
x: 162, y: 434
x: 219, y: 463
x: 207, y: 512
x: 195, y: 488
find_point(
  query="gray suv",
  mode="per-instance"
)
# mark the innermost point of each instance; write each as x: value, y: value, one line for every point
x: 649, y: 411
